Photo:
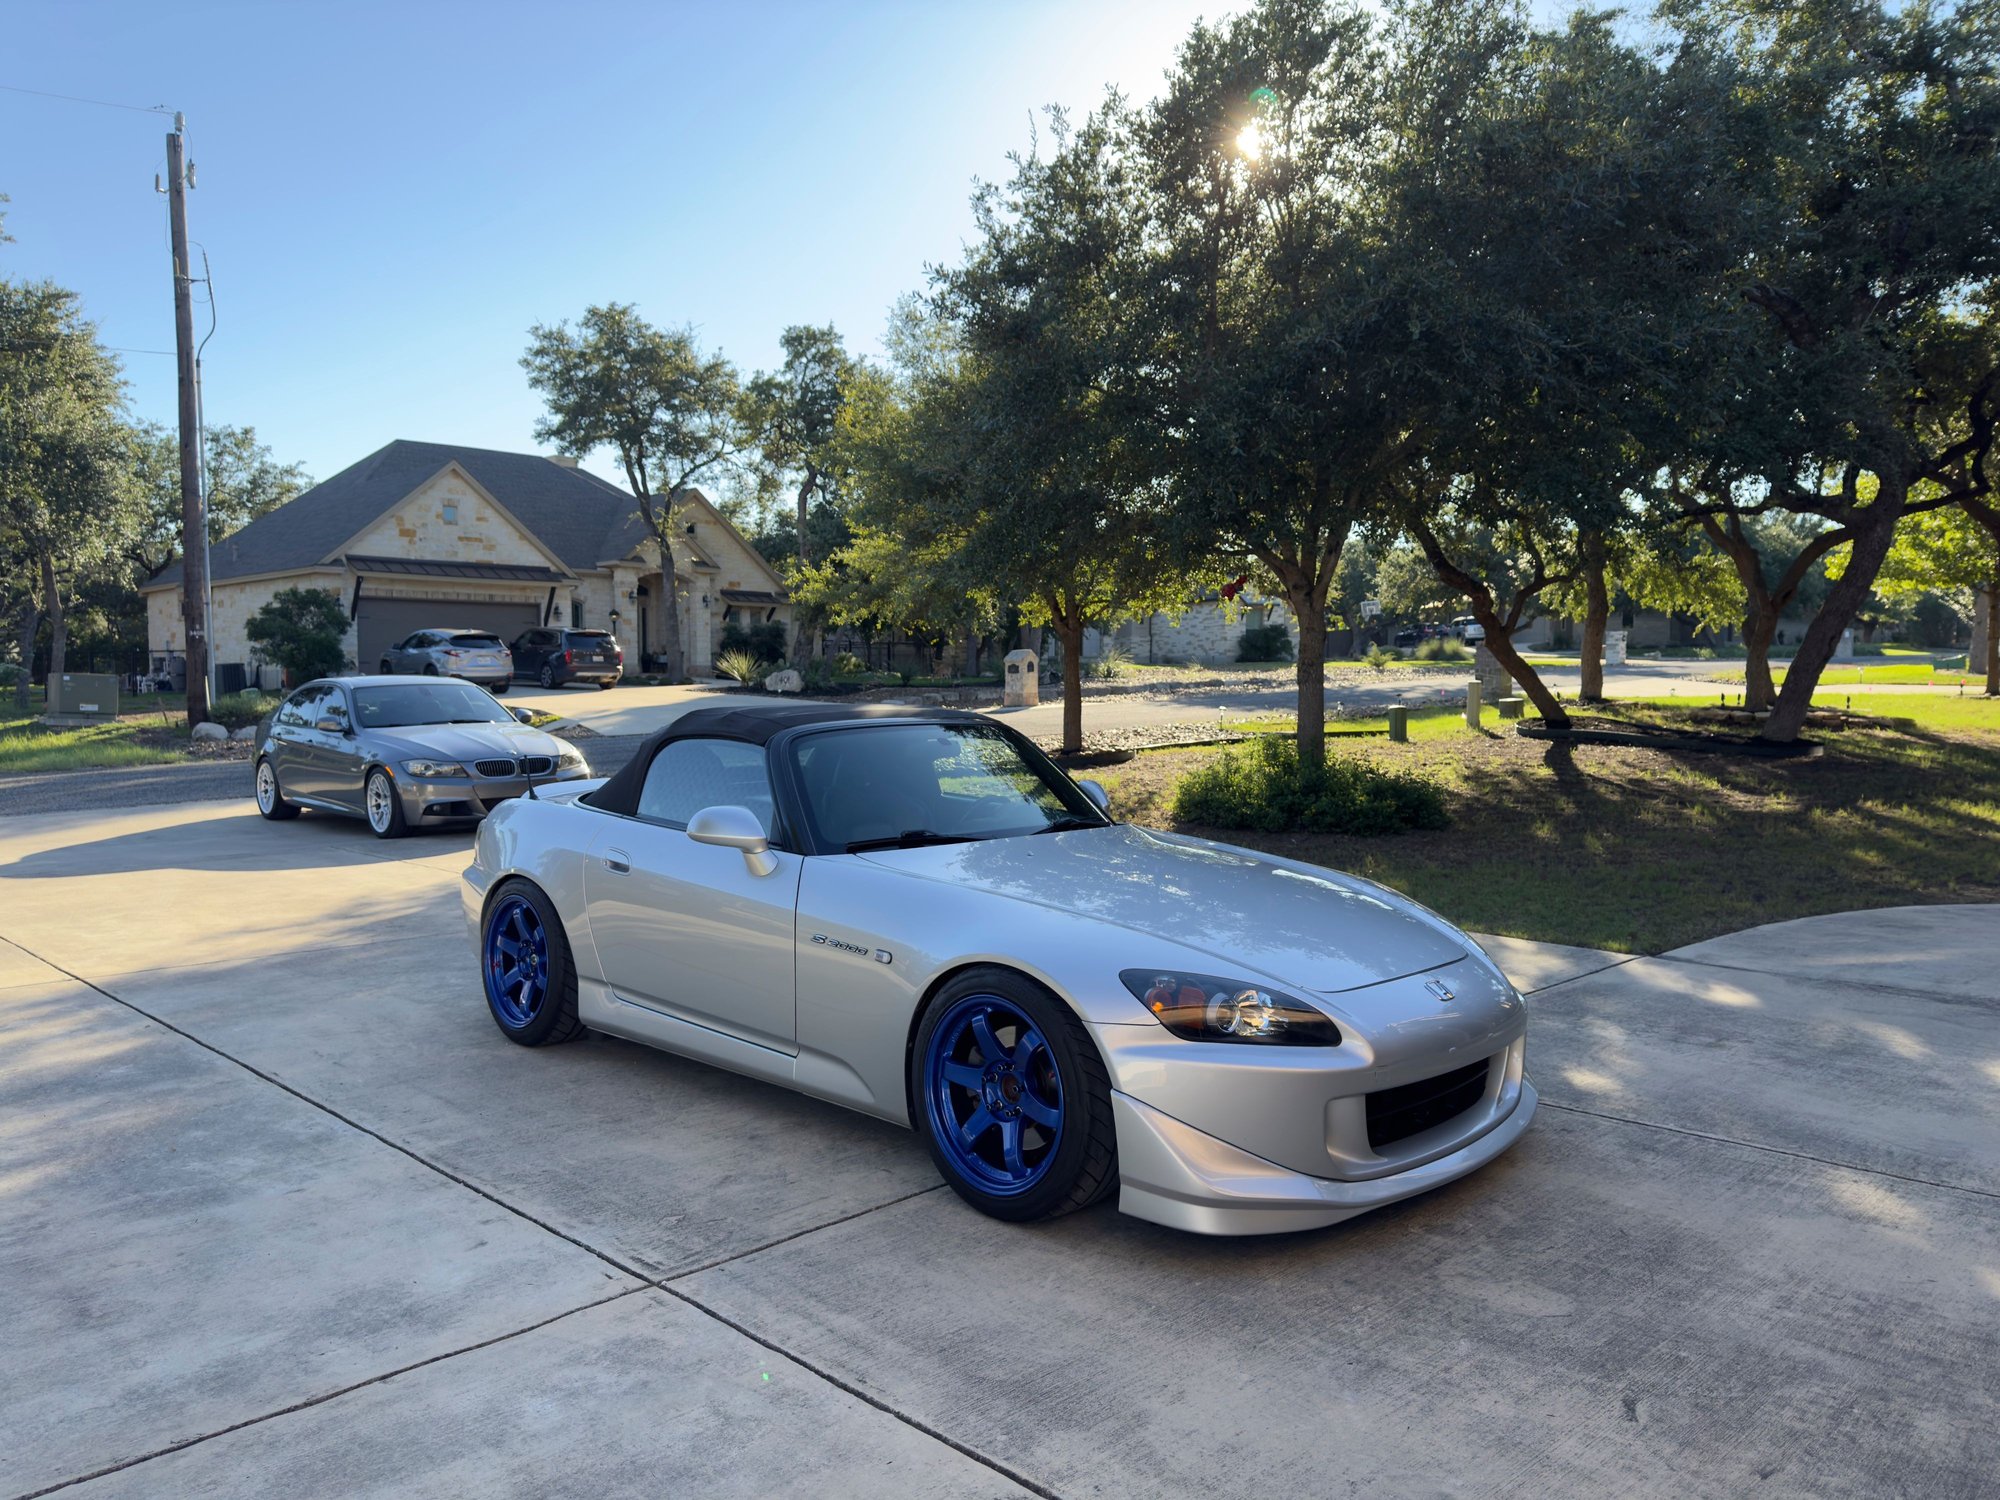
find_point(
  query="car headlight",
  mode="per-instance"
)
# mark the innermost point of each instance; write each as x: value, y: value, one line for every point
x: 427, y: 768
x: 570, y: 758
x: 1204, y: 1008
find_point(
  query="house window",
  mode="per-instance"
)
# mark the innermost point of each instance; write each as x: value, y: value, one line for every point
x: 450, y: 513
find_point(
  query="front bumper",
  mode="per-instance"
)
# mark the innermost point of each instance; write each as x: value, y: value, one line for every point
x: 1173, y: 1174
x: 458, y: 799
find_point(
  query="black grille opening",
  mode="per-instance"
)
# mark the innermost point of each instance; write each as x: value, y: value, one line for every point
x: 1399, y: 1113
x: 494, y: 767
x: 538, y: 765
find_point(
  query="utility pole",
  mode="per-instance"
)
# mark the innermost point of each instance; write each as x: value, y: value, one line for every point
x: 194, y: 511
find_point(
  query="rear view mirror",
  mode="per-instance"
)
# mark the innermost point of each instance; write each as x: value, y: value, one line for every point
x: 331, y: 726
x: 1099, y: 798
x: 525, y: 715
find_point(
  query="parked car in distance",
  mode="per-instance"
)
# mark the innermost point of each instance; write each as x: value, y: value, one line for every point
x: 401, y: 753
x: 554, y: 657
x: 915, y: 914
x: 473, y: 655
x: 1468, y: 629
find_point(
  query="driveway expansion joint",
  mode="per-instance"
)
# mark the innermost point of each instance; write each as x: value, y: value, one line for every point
x: 326, y: 1396
x: 1902, y: 990
x: 646, y: 1282
x: 1730, y: 1140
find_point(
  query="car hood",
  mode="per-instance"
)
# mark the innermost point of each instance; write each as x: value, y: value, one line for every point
x: 462, y: 741
x: 1303, y: 926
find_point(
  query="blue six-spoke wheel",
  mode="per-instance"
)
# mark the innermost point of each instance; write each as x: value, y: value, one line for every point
x: 994, y: 1094
x: 517, y: 962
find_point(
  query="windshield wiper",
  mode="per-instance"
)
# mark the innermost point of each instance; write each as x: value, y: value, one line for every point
x: 1068, y: 821
x: 911, y: 838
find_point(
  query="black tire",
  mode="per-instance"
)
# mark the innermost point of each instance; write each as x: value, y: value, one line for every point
x: 497, y: 689
x: 385, y: 819
x: 430, y: 669
x: 271, y: 799
x: 557, y: 1020
x: 548, y: 677
x: 1084, y: 1167
x: 605, y: 687
x: 387, y: 670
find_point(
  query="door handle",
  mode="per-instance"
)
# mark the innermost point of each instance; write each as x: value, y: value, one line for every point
x: 618, y: 861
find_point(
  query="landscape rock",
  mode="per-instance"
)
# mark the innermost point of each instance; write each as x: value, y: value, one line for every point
x: 786, y: 681
x: 247, y: 732
x: 208, y: 729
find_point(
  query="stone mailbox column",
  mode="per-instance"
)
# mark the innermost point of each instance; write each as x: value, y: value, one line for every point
x: 1021, y: 680
x: 1493, y: 678
x: 1614, y: 647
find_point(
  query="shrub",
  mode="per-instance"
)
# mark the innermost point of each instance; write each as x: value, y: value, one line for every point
x: 766, y: 642
x: 238, y: 710
x: 1379, y: 657
x: 1441, y: 648
x: 1264, y: 643
x: 1112, y: 660
x: 741, y: 666
x: 847, y: 664
x: 1263, y: 787
x: 302, y: 630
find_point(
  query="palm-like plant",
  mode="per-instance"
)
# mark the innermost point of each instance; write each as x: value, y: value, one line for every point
x: 740, y: 666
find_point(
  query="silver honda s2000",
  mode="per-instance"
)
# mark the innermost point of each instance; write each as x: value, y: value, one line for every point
x: 917, y: 915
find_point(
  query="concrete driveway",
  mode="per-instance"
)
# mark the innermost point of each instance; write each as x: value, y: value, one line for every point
x: 281, y: 1213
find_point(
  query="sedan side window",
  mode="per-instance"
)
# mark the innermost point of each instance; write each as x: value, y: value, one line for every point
x: 294, y: 713
x: 688, y: 775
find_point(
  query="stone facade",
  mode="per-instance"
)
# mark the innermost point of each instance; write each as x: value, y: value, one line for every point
x: 1207, y: 633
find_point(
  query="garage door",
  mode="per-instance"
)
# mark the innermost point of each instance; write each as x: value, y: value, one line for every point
x: 383, y: 622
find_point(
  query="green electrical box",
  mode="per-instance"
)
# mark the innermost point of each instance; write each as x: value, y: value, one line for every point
x: 83, y: 698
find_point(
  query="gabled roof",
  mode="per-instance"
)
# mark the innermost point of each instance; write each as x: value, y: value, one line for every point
x: 572, y: 513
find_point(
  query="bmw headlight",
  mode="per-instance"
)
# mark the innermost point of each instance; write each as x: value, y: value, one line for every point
x: 428, y: 768
x: 1204, y: 1008
x: 570, y: 759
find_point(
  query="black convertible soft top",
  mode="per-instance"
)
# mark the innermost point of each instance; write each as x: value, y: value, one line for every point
x: 755, y: 723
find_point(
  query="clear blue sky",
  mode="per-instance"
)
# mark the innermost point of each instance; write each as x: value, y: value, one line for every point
x: 391, y: 194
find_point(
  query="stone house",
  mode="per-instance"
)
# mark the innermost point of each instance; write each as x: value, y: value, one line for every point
x: 1206, y: 632
x: 421, y: 535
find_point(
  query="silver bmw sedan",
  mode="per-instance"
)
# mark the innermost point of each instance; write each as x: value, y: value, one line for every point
x: 917, y: 915
x: 401, y: 752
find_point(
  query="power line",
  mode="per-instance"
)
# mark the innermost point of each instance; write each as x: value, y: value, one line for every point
x: 142, y: 109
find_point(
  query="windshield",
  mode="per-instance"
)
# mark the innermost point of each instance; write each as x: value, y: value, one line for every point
x: 930, y: 783
x: 440, y: 702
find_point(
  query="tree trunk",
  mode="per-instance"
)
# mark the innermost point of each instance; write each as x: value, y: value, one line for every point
x: 31, y: 624
x: 1596, y: 615
x: 58, y: 620
x: 1500, y: 641
x: 806, y: 487
x: 1069, y: 630
x: 670, y: 581
x: 971, y: 652
x: 1864, y: 560
x: 1310, y: 611
x: 1760, y: 628
x: 1992, y: 639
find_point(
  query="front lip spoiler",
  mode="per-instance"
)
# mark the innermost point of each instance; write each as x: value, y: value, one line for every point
x: 1172, y: 1174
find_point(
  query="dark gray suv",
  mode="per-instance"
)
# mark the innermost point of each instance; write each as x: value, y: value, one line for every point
x: 554, y: 656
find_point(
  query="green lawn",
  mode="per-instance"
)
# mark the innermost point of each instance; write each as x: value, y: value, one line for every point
x: 151, y: 734
x: 1891, y: 673
x: 1642, y: 850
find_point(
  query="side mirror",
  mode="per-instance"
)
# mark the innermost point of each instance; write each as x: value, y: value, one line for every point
x: 524, y: 715
x: 1099, y: 798
x: 331, y: 726
x: 734, y: 828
